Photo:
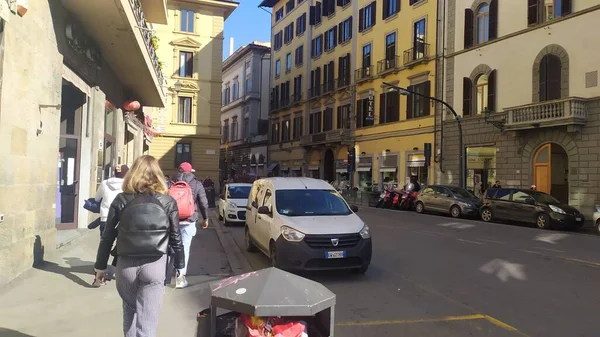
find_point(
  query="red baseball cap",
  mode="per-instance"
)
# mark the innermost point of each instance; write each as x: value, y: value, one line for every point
x: 186, y: 167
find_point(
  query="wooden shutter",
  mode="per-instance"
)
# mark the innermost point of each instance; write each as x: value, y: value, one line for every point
x: 348, y: 68
x: 318, y: 12
x: 543, y: 79
x: 331, y: 74
x: 373, y: 13
x: 467, y: 96
x: 311, y: 123
x: 339, y: 117
x: 426, y: 101
x: 340, y: 3
x: 493, y: 23
x: 311, y: 15
x: 341, y: 32
x: 386, y: 6
x: 532, y: 12
x: 409, y: 103
x: 382, y: 107
x: 361, y: 20
x: 291, y: 32
x: 350, y: 25
x: 335, y: 35
x: 553, y: 77
x: 492, y: 91
x: 469, y: 17
x: 565, y: 7
x: 394, y: 106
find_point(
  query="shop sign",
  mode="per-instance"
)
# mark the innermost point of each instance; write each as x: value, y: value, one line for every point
x: 371, y: 104
x: 365, y: 162
x: 341, y: 164
x: 390, y: 160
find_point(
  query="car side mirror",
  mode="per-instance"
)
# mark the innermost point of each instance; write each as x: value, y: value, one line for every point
x: 254, y: 204
x: 264, y: 210
x: 354, y: 208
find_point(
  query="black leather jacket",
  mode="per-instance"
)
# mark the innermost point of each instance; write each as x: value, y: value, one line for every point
x: 159, y: 241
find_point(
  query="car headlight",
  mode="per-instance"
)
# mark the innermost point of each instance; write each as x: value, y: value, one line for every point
x: 365, y: 232
x: 557, y: 209
x: 291, y: 234
x: 232, y: 205
x: 597, y: 208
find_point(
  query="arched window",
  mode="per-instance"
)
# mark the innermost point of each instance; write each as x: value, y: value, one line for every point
x: 483, y: 23
x: 482, y: 92
x: 550, y: 77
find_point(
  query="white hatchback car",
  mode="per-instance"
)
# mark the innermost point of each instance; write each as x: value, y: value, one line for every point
x: 232, y: 203
x: 305, y: 224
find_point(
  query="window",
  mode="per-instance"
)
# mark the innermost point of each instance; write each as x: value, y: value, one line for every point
x: 390, y: 51
x: 278, y: 40
x: 314, y: 122
x: 289, y: 6
x: 390, y: 7
x: 328, y: 77
x: 234, y: 129
x: 366, y: 17
x: 301, y: 24
x: 268, y: 200
x: 329, y: 7
x: 316, y: 14
x: 343, y: 3
x: 502, y: 194
x: 345, y: 30
x: 183, y: 153
x: 331, y: 38
x: 277, y: 68
x: 520, y: 196
x: 288, y: 33
x: 226, y: 95
x: 187, y: 20
x: 344, y: 70
x: 288, y: 62
x: 285, y: 93
x: 482, y: 93
x: 364, y: 113
x: 545, y: 10
x: 236, y: 89
x: 366, y: 56
x: 285, y: 130
x: 550, y: 78
x: 186, y: 64
x: 343, y: 117
x: 248, y: 84
x: 328, y: 119
x: 317, y: 44
x: 482, y: 21
x: 279, y: 14
x: 413, y: 2
x: 389, y: 107
x: 225, y: 133
x: 297, y: 127
x: 419, y: 40
x: 274, y: 133
x: 299, y: 57
x: 246, y: 130
x: 418, y: 106
x: 185, y: 110
x: 297, y: 89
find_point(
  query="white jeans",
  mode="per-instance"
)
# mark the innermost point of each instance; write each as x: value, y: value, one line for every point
x: 188, y: 231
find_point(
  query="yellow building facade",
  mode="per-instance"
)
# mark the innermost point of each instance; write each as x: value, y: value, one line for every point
x: 350, y: 48
x: 190, y: 50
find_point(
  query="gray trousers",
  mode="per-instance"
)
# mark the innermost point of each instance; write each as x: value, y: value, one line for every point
x: 140, y: 283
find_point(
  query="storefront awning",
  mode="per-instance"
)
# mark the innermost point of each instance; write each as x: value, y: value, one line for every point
x: 416, y: 164
x: 341, y: 171
x: 271, y: 167
x: 363, y: 169
x: 296, y: 168
x: 388, y: 169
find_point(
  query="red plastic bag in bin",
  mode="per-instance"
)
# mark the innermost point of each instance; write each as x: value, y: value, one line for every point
x: 291, y: 329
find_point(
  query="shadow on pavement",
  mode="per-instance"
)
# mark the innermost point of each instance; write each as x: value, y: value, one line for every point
x: 75, y: 265
x: 12, y: 333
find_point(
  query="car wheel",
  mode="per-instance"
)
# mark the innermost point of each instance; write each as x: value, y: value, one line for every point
x: 250, y: 247
x: 273, y: 255
x: 455, y: 211
x: 220, y: 216
x: 543, y: 221
x: 419, y: 207
x: 361, y: 270
x: 487, y: 215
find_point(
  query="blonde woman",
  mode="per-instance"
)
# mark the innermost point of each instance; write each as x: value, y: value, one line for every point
x: 145, y: 222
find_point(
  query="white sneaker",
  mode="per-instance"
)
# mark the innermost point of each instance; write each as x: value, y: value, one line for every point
x: 181, y: 282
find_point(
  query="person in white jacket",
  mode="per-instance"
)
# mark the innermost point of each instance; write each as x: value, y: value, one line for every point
x: 108, y: 190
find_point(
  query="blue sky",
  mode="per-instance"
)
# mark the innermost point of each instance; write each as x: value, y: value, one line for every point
x: 246, y: 24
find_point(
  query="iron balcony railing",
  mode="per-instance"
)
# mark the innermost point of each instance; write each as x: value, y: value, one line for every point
x: 364, y: 73
x: 297, y: 97
x: 314, y: 92
x: 417, y: 53
x: 146, y: 32
x: 328, y: 86
x: 343, y: 81
x: 388, y: 64
x: 285, y: 101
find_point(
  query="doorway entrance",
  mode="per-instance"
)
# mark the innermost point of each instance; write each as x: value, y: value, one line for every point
x: 329, y: 166
x: 69, y: 148
x: 551, y: 171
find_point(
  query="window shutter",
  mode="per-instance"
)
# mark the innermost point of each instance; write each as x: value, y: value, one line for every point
x: 382, y: 107
x: 467, y: 96
x: 335, y: 35
x: 331, y: 72
x: 340, y: 3
x: 373, y: 13
x: 339, y: 117
x: 493, y: 28
x: 318, y: 11
x: 553, y: 78
x: 426, y: 100
x: 291, y: 32
x: 350, y: 25
x: 395, y: 107
x: 468, y: 28
x: 340, y: 29
x: 532, y: 12
x: 492, y: 91
x: 409, y: 103
x: 311, y: 121
x: 543, y: 79
x: 311, y: 15
x: 565, y: 7
x: 386, y: 5
x: 361, y: 19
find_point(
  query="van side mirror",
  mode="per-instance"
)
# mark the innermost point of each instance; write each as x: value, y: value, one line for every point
x: 254, y: 204
x: 354, y: 208
x: 264, y: 210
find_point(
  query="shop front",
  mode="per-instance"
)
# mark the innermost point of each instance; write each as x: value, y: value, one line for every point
x: 481, y: 168
x: 296, y: 168
x: 313, y: 169
x: 341, y: 171
x: 416, y: 167
x: 388, y: 169
x: 364, y: 169
x: 285, y: 168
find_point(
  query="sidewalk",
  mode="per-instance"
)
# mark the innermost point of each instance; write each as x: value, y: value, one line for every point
x: 56, y: 299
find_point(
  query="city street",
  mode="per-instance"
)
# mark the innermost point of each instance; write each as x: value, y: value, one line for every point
x: 437, y: 276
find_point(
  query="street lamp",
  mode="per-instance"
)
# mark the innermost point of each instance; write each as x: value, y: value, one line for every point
x: 461, y: 157
x: 177, y: 86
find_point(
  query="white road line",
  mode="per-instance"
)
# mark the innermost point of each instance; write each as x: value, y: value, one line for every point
x: 492, y: 241
x: 531, y: 252
x: 426, y: 233
x: 469, y: 241
x: 433, y: 232
x: 550, y: 249
x: 449, y: 224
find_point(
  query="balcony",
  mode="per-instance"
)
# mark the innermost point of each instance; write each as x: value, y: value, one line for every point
x: 155, y: 10
x: 274, y: 105
x: 328, y: 87
x: 388, y: 64
x: 285, y: 101
x: 363, y: 74
x: 297, y: 98
x: 333, y: 136
x: 123, y: 37
x: 343, y: 81
x: 416, y: 54
x: 314, y: 92
x: 570, y: 111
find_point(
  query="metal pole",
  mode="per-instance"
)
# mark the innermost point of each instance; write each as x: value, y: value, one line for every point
x: 352, y: 127
x: 461, y: 156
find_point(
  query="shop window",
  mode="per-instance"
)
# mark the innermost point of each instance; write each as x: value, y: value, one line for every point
x: 415, y: 167
x: 183, y: 153
x: 481, y: 169
x: 365, y: 173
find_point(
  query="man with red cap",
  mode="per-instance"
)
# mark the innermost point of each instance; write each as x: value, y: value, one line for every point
x: 187, y: 227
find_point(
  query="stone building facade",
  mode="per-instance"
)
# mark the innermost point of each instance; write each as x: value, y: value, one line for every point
x: 67, y: 67
x: 528, y: 96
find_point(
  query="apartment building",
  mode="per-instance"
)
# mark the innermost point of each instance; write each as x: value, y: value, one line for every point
x: 330, y: 62
x: 528, y: 94
x: 190, y: 47
x: 245, y: 112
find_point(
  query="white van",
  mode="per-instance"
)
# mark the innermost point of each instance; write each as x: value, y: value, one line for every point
x: 305, y: 224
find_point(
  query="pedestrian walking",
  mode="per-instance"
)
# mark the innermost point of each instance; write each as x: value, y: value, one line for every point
x: 533, y: 188
x: 188, y: 226
x: 108, y: 190
x: 497, y: 184
x: 148, y: 221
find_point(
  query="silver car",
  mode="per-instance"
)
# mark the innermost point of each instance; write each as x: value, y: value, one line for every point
x: 451, y: 200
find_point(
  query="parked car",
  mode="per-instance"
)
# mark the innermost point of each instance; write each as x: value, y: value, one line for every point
x: 529, y: 206
x: 305, y: 224
x: 231, y: 206
x: 451, y: 200
x: 596, y: 217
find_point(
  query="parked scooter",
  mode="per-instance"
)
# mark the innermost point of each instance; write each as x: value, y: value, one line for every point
x: 385, y: 199
x: 407, y: 201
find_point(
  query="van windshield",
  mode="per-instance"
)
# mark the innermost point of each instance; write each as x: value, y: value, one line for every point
x: 310, y: 203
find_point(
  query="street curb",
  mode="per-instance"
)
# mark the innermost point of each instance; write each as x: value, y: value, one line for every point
x: 237, y: 260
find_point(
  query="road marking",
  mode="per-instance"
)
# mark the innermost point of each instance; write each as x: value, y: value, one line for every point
x: 502, y: 325
x: 551, y: 238
x: 550, y: 249
x: 469, y: 241
x: 413, y: 321
x: 492, y: 241
x: 504, y: 270
x: 587, y: 263
x: 531, y: 252
x: 457, y: 225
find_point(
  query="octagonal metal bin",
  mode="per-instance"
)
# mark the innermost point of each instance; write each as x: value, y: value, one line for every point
x: 269, y: 292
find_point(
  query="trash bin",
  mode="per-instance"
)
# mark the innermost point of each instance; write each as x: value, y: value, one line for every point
x: 269, y: 292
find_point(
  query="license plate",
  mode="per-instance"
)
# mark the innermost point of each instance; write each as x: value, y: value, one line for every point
x: 577, y: 219
x: 335, y: 255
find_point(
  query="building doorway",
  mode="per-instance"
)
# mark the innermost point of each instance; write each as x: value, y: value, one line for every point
x: 329, y: 166
x: 72, y: 103
x: 551, y: 171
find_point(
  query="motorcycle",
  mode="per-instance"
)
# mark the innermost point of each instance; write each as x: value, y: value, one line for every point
x: 385, y: 199
x: 407, y: 201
